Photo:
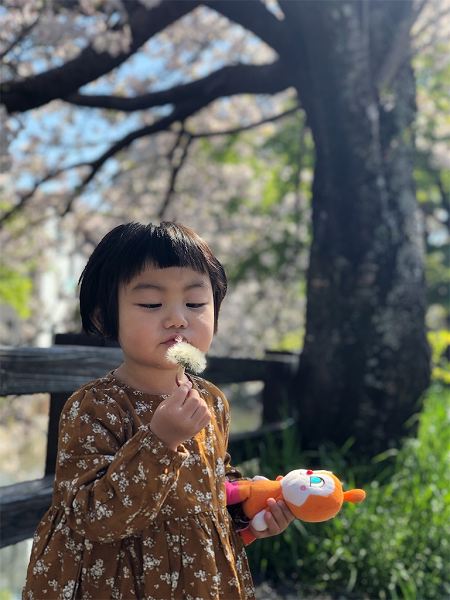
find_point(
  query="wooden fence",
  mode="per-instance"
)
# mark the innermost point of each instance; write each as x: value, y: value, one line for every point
x: 61, y: 369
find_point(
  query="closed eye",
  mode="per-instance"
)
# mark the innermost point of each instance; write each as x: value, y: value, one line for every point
x: 196, y: 305
x: 150, y: 305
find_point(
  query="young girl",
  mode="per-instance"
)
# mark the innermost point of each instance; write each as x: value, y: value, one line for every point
x: 138, y: 506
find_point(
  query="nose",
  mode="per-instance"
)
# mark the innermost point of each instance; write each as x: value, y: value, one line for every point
x: 175, y: 317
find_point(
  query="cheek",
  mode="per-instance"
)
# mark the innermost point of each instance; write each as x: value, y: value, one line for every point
x: 133, y: 323
x: 205, y: 330
x: 125, y: 322
x: 125, y: 329
x: 209, y: 320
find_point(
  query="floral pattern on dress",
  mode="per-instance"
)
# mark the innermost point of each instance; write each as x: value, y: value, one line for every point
x: 131, y: 518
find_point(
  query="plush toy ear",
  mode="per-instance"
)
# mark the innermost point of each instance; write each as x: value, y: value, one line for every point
x: 279, y: 477
x: 354, y: 496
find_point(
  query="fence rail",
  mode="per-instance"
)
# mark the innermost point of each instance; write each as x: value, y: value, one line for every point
x: 61, y: 369
x: 66, y: 368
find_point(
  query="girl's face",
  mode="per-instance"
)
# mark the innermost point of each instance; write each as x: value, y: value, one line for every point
x: 159, y: 304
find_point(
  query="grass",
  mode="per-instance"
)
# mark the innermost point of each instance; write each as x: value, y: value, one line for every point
x: 396, y: 544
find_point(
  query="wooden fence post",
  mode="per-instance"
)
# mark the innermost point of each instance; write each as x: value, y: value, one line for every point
x: 57, y: 400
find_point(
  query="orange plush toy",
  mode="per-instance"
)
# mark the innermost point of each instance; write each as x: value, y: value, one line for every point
x: 311, y: 496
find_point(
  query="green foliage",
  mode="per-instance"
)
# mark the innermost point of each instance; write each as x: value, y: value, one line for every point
x: 15, y: 290
x: 291, y: 341
x: 440, y: 355
x: 225, y: 154
x: 437, y: 271
x: 432, y: 176
x: 433, y: 75
x: 395, y: 544
x: 266, y: 258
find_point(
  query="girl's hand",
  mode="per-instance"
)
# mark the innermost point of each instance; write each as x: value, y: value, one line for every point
x: 278, y: 517
x: 180, y: 416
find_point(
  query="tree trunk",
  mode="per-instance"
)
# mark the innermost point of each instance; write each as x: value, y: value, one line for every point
x: 365, y: 360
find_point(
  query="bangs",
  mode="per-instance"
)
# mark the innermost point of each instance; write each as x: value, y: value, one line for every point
x: 163, y: 247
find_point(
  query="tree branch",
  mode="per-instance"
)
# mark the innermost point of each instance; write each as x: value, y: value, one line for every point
x: 274, y: 80
x: 178, y: 114
x: 20, y: 36
x: 183, y: 140
x: 89, y: 65
x: 25, y: 198
x: 227, y: 81
x: 431, y: 22
x: 161, y: 125
x: 253, y: 16
x: 206, y: 134
x: 242, y: 79
x: 399, y: 50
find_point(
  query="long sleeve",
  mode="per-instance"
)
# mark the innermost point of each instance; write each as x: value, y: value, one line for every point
x: 110, y: 487
x: 231, y: 473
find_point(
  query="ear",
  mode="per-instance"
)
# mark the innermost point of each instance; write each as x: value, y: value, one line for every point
x: 279, y: 477
x: 354, y: 496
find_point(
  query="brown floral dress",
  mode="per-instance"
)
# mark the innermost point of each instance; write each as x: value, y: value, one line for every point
x: 131, y: 518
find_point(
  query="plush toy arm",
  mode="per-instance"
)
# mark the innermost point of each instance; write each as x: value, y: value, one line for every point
x: 258, y: 522
x: 235, y: 495
x: 232, y: 492
x: 237, y: 490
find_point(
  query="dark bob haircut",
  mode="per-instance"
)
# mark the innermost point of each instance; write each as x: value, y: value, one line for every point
x: 124, y: 252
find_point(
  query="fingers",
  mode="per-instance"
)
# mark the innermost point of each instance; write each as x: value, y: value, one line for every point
x: 180, y: 393
x: 277, y: 517
x: 190, y: 404
x: 196, y: 408
x: 181, y: 416
x: 205, y: 418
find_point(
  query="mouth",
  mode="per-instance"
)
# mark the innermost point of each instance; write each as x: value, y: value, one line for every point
x: 175, y: 339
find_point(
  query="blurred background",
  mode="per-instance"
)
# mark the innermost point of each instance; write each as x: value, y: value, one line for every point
x: 308, y: 143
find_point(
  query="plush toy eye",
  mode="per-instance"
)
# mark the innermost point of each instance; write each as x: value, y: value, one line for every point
x: 316, y: 481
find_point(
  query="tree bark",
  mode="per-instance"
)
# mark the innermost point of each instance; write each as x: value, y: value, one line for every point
x: 365, y: 360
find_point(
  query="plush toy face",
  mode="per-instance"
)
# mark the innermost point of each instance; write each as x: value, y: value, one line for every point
x: 298, y: 485
x: 312, y: 495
